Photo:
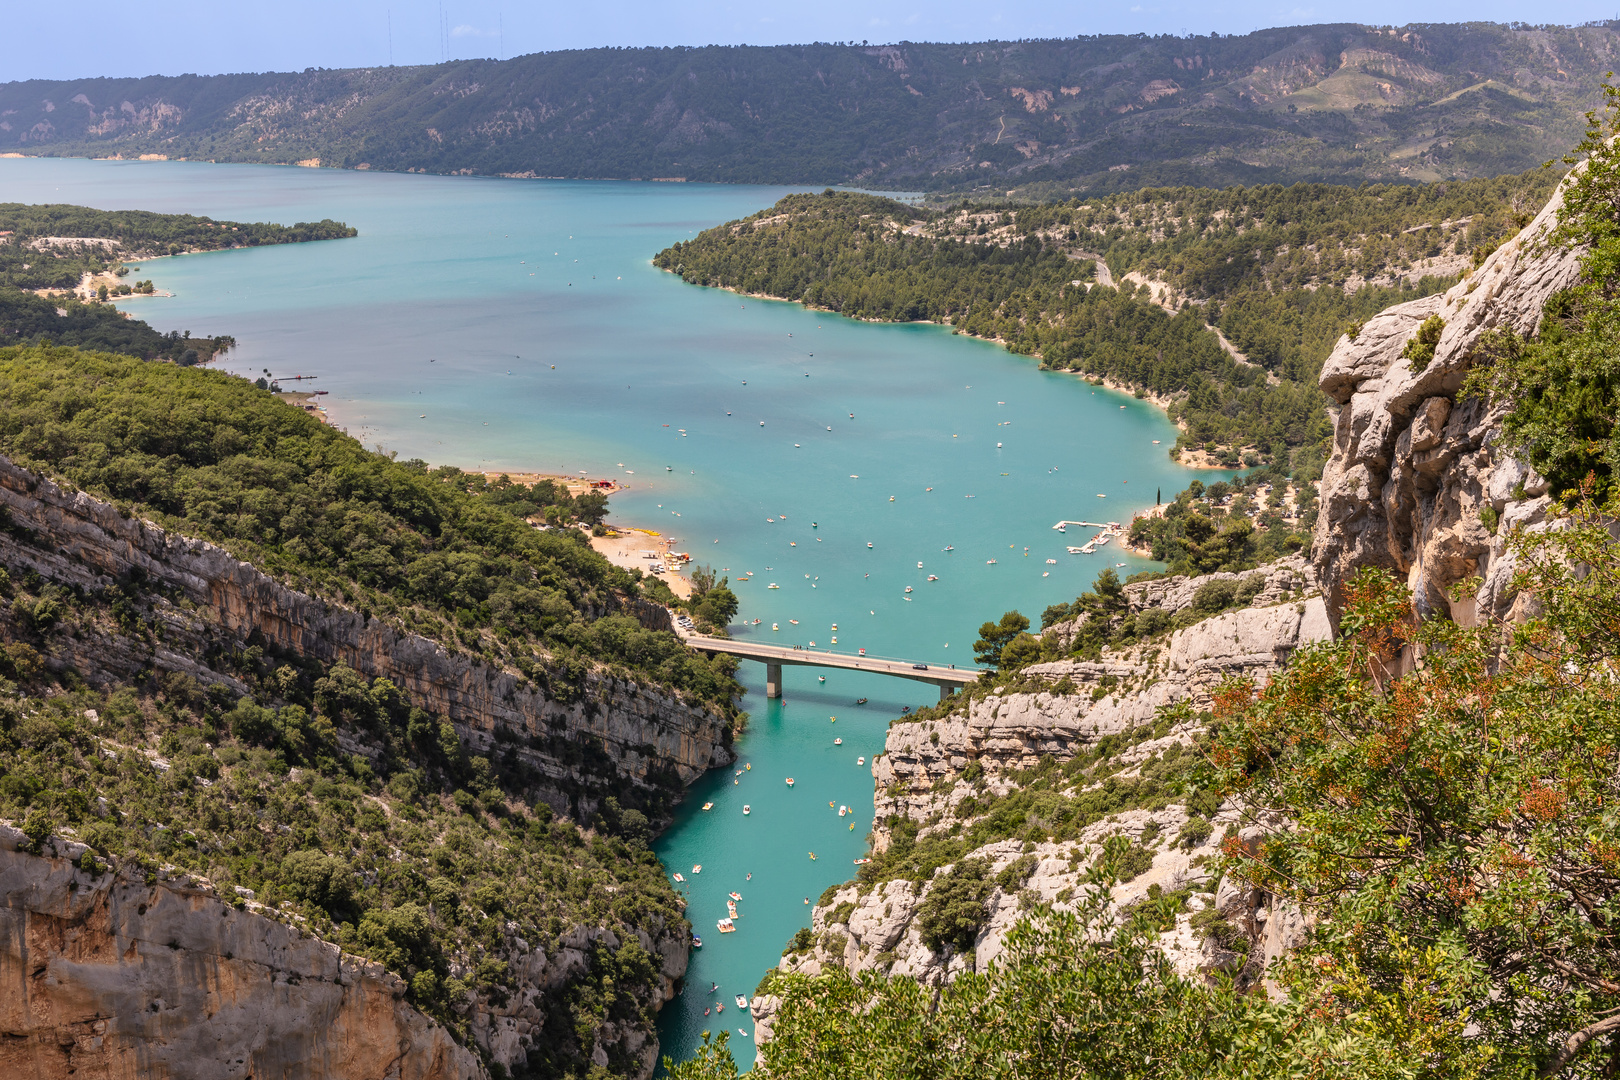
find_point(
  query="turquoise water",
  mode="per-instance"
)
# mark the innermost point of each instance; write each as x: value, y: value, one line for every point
x: 521, y: 325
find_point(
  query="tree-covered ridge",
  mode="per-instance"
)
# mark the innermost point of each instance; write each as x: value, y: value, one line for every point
x: 1097, y: 113
x: 38, y: 248
x: 27, y: 319
x: 434, y: 551
x: 439, y: 863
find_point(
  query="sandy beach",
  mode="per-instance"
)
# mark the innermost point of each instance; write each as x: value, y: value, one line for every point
x: 631, y: 548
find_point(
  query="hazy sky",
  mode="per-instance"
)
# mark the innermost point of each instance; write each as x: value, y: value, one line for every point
x: 56, y: 41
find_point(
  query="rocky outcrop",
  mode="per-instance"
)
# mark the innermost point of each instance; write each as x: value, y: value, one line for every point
x: 117, y: 976
x: 646, y: 734
x: 931, y: 768
x: 1416, y: 482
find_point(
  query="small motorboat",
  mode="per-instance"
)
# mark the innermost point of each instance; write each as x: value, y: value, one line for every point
x: 949, y: 547
x: 742, y: 1003
x: 908, y: 588
x: 747, y: 809
x: 933, y: 577
x: 834, y: 641
x: 719, y: 1008
x: 869, y: 543
x: 905, y: 709
x: 842, y: 810
x: 697, y: 868
x: 726, y: 926
x: 860, y: 701
x: 989, y: 562
x: 838, y: 742
x: 862, y: 862
x: 795, y: 622
x: 860, y: 761
x: 731, y: 908
x: 697, y: 942
x: 708, y: 806
x: 775, y: 627
x: 706, y: 1012
x: 1051, y: 562
x: 773, y: 585
x: 678, y: 876
x: 823, y: 678
x: 790, y: 781
x: 891, y: 498
x: 735, y: 896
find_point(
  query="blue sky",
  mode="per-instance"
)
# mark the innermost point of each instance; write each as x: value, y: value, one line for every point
x: 56, y: 41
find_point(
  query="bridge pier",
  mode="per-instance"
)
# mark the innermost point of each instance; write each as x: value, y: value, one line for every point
x: 945, y: 691
x: 773, y: 680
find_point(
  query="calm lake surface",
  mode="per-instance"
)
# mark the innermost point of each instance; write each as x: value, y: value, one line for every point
x: 520, y: 324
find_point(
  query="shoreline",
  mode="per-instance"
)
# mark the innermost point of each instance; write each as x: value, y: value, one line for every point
x: 1188, y: 459
x: 642, y: 549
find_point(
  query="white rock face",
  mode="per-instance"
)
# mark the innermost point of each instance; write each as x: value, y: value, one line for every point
x: 920, y: 777
x: 1414, y: 466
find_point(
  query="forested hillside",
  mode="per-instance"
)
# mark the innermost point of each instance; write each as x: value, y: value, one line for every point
x: 1331, y: 102
x: 1282, y: 272
x: 51, y: 248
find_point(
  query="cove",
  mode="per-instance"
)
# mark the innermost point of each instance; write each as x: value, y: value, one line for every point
x: 520, y: 325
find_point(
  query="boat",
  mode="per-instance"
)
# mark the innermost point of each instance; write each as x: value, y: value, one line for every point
x: 678, y: 876
x: 834, y: 641
x: 726, y: 926
x: 919, y: 566
x: 790, y: 781
x: 697, y: 868
x: 860, y: 761
x: 891, y: 498
x: 1051, y: 562
x: 775, y: 627
x: 735, y: 896
x: 908, y: 588
x: 731, y: 908
x: 1074, y: 550
x: 706, y: 806
x: 869, y: 543
x: 860, y: 701
x: 823, y: 678
x: 950, y: 547
x: 795, y: 622
x: 933, y: 577
x: 862, y: 862
x: 748, y: 766
x: 989, y: 562
x: 773, y: 585
x: 838, y: 742
x: 812, y: 856
x: 842, y: 810
x: 747, y: 809
x: 697, y: 942
x: 706, y: 1012
x: 742, y: 1003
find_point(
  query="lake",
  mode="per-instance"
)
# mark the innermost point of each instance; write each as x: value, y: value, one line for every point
x: 505, y: 324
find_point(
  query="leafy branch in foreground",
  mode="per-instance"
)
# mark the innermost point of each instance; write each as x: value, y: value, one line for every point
x: 1462, y: 813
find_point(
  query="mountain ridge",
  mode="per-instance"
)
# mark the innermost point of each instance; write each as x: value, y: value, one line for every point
x: 1423, y: 102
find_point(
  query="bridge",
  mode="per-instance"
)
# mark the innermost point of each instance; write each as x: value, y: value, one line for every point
x: 775, y: 657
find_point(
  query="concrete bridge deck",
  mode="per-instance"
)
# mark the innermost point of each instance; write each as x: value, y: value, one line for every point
x: 774, y: 657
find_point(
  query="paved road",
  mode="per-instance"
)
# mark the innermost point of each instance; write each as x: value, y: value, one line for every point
x: 785, y: 655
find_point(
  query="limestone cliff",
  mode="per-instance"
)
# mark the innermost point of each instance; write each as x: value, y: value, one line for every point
x: 200, y: 611
x: 111, y: 975
x: 1416, y: 482
x: 940, y: 775
x: 220, y: 604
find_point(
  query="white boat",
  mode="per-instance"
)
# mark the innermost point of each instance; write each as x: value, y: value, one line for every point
x: 731, y: 908
x: 679, y: 876
x: 775, y: 627
x: 933, y: 577
x: 860, y: 761
x: 838, y: 742
x: 1074, y: 550
x: 697, y: 868
x: 742, y: 1003
x: 919, y: 566
x: 989, y: 562
x: 869, y: 543
x: 747, y: 809
x: 773, y: 585
x: 908, y: 588
x: 706, y: 806
x: 1051, y: 562
x: 790, y: 781
x: 726, y: 926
